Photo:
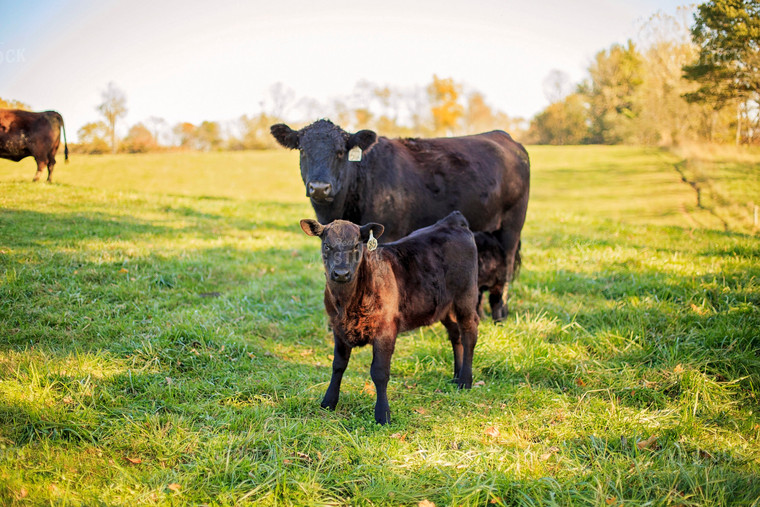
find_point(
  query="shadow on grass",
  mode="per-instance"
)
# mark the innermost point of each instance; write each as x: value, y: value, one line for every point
x: 24, y: 228
x: 227, y: 362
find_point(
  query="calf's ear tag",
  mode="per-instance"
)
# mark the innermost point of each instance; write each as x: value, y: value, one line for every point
x: 371, y: 242
x: 355, y: 154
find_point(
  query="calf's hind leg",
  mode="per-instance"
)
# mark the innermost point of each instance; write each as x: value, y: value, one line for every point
x: 456, y: 343
x: 467, y: 320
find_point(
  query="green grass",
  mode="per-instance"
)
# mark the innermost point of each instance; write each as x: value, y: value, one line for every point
x: 163, y: 342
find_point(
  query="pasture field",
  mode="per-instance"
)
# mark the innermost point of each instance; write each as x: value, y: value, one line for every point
x: 163, y: 342
x: 727, y: 181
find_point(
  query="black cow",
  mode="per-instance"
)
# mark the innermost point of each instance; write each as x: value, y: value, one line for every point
x: 407, y: 184
x: 24, y: 134
x: 372, y: 295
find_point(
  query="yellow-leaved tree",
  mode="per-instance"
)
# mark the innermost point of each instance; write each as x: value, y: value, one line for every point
x: 13, y: 104
x: 444, y: 96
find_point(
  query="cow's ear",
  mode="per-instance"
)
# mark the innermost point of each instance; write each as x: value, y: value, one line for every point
x: 377, y: 231
x: 312, y: 227
x: 285, y: 135
x: 364, y: 139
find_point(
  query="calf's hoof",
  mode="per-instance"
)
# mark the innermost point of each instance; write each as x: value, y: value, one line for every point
x: 383, y: 417
x: 329, y: 405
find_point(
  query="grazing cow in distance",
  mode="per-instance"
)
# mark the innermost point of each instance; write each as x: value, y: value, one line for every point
x: 407, y: 184
x: 25, y: 133
x: 371, y: 294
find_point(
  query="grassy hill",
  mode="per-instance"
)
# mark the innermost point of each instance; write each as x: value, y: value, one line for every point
x: 163, y: 341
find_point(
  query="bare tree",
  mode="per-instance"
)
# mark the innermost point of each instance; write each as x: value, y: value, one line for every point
x: 156, y: 125
x: 281, y: 98
x: 556, y: 86
x: 113, y: 107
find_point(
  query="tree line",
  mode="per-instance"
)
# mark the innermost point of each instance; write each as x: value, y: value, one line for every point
x: 678, y: 84
x: 443, y: 107
x: 683, y: 80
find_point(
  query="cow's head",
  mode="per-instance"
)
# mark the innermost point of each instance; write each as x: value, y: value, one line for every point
x: 343, y: 245
x: 325, y: 166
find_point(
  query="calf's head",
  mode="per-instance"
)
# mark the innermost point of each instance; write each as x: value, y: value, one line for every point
x: 326, y: 166
x: 343, y: 245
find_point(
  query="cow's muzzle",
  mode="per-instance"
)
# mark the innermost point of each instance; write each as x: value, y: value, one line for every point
x: 320, y: 191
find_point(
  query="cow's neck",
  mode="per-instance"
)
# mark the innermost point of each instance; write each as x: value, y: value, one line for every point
x: 358, y: 206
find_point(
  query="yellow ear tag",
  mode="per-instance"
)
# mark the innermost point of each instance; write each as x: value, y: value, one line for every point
x: 355, y: 154
x: 371, y: 242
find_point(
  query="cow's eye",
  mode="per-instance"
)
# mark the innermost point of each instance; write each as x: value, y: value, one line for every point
x: 340, y: 154
x: 327, y: 248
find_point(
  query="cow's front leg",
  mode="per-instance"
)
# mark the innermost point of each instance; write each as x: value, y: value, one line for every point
x: 380, y: 371
x: 41, y: 164
x: 340, y: 361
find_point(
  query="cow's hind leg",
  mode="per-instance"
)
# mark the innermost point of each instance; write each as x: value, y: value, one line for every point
x: 50, y: 167
x: 496, y: 299
x: 341, y: 356
x: 449, y: 322
x: 510, y: 241
x: 509, y: 237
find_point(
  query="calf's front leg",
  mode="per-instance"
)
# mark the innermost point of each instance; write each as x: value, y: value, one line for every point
x: 341, y: 356
x: 380, y: 371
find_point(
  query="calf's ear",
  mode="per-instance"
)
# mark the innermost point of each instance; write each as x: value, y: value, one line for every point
x: 285, y: 135
x: 312, y: 227
x: 364, y: 139
x: 377, y: 230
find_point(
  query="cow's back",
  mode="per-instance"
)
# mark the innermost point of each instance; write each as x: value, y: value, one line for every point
x: 407, y: 184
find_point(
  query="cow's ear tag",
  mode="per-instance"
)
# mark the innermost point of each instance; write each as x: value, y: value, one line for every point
x: 355, y: 154
x: 371, y: 242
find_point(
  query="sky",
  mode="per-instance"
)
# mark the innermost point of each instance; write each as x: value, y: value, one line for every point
x: 190, y: 60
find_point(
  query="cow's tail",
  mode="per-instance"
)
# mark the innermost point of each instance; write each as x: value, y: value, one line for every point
x: 518, y: 262
x: 65, y: 144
